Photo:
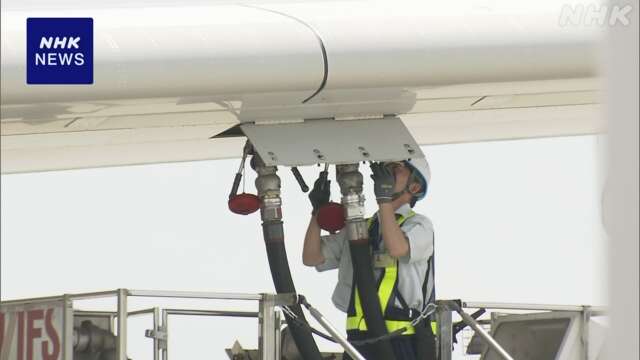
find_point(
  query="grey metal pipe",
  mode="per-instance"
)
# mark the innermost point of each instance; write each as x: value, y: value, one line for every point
x: 481, y: 331
x: 190, y: 312
x: 335, y: 333
x: 267, y: 325
x: 140, y: 312
x: 165, y: 327
x: 81, y: 296
x: 121, y: 345
x: 536, y: 307
x: 445, y: 332
x: 194, y: 295
x: 156, y: 326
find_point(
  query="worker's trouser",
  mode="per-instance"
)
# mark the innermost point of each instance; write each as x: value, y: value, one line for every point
x: 405, y: 347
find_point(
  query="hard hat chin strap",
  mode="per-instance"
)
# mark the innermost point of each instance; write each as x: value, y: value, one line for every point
x: 396, y: 195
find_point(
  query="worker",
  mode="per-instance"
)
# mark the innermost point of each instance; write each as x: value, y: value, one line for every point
x: 400, y: 239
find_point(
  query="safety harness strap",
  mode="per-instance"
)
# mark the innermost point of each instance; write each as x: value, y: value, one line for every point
x: 395, y: 318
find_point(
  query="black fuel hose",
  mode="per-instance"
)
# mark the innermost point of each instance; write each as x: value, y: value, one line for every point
x: 277, y: 255
x: 368, y: 291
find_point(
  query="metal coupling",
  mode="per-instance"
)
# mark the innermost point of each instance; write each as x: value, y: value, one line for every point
x: 268, y: 183
x: 349, y: 179
x: 268, y: 186
x: 271, y: 209
x: 357, y: 231
x: 353, y: 206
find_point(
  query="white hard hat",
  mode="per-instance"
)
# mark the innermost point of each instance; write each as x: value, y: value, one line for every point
x: 421, y: 168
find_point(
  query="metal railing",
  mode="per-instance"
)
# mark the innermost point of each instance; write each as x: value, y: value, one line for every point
x: 445, y: 323
x: 269, y: 319
x: 268, y: 315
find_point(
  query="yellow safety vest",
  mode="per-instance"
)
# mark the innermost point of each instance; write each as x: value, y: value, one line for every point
x: 386, y: 289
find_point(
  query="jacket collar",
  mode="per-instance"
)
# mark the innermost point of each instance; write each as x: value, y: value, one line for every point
x: 403, y: 210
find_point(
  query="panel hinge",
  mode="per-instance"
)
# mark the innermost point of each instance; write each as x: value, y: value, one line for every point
x: 278, y: 122
x: 361, y: 117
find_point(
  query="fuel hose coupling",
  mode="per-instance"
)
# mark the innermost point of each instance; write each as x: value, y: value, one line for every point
x: 268, y: 186
x: 350, y: 181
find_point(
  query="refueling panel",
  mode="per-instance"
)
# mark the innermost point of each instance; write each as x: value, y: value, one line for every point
x: 332, y: 141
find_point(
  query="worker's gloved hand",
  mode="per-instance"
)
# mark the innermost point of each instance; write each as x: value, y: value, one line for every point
x: 321, y: 192
x: 384, y: 182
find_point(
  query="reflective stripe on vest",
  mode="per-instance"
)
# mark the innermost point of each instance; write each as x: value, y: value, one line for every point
x: 385, y: 291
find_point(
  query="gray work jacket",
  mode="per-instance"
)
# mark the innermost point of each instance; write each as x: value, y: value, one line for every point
x: 412, y: 268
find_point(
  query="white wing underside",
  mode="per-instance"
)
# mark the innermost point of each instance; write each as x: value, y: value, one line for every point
x: 168, y: 80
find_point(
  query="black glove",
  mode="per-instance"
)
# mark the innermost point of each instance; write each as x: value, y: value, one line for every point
x: 321, y: 192
x: 384, y: 182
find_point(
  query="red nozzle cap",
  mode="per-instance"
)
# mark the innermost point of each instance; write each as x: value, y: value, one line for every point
x: 244, y: 204
x: 331, y: 217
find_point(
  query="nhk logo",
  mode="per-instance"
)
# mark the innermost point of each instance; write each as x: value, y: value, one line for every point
x: 58, y: 58
x: 59, y: 51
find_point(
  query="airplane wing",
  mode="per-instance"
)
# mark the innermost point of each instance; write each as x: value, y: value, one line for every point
x: 172, y: 83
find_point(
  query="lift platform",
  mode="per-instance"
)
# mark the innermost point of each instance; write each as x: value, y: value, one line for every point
x: 55, y: 328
